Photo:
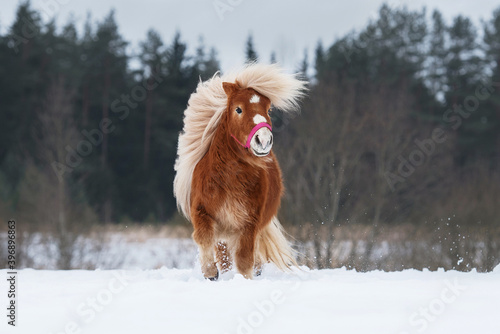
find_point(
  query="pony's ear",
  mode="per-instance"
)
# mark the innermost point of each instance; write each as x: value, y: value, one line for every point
x: 230, y: 88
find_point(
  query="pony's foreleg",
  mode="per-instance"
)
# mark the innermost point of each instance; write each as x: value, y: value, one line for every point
x: 245, y: 254
x: 223, y: 256
x: 204, y: 236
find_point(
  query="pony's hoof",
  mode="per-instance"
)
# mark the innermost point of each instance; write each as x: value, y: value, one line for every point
x: 258, y: 272
x: 214, y: 278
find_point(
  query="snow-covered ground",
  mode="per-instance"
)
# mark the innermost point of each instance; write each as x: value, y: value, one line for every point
x: 309, y: 301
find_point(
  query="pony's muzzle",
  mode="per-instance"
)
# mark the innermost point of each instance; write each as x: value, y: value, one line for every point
x: 262, y: 142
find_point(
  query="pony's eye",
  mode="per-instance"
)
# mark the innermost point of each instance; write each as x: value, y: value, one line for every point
x: 238, y: 110
x: 269, y: 111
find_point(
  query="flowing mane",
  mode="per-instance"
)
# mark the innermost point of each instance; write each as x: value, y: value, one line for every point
x: 208, y: 103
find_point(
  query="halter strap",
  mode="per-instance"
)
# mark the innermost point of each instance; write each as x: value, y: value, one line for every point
x: 252, y: 133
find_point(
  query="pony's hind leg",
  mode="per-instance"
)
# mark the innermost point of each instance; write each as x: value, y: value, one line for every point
x: 259, y: 258
x: 204, y: 236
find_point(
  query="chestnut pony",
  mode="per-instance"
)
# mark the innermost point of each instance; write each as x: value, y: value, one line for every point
x: 228, y: 181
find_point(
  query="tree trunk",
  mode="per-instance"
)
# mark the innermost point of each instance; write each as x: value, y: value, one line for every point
x: 105, y: 111
x: 104, y: 152
x: 85, y: 105
x: 147, y: 127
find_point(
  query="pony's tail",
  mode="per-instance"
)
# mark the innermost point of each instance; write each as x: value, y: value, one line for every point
x: 273, y: 246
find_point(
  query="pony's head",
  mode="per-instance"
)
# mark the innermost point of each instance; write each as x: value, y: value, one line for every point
x: 248, y: 120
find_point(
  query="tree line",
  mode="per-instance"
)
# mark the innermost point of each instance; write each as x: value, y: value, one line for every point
x: 75, y: 115
x: 402, y: 126
x: 402, y: 122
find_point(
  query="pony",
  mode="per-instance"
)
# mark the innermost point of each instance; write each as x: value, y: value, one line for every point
x: 228, y: 182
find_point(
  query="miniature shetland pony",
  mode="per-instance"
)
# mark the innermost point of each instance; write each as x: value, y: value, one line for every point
x: 228, y: 181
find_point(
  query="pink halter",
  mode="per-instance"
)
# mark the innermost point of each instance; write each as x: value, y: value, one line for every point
x: 252, y: 133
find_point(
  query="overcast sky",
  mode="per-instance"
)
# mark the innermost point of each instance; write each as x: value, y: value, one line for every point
x: 286, y: 27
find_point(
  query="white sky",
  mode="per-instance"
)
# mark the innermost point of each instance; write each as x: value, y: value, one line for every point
x: 286, y: 27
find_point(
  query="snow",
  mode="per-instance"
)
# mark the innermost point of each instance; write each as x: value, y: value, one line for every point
x: 115, y: 251
x: 170, y: 300
x: 125, y: 251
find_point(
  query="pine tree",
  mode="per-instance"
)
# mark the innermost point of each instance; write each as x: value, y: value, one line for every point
x: 205, y: 65
x: 462, y: 63
x: 105, y: 79
x: 463, y: 76
x: 22, y: 86
x: 179, y: 83
x: 319, y: 62
x: 212, y: 64
x: 492, y: 53
x: 251, y: 54
x: 437, y: 55
x: 272, y: 59
x: 152, y: 60
x: 304, y: 66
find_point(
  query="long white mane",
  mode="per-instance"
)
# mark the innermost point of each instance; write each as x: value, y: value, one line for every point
x: 206, y: 106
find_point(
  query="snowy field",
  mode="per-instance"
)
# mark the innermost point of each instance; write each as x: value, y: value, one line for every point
x: 155, y: 286
x: 309, y: 301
